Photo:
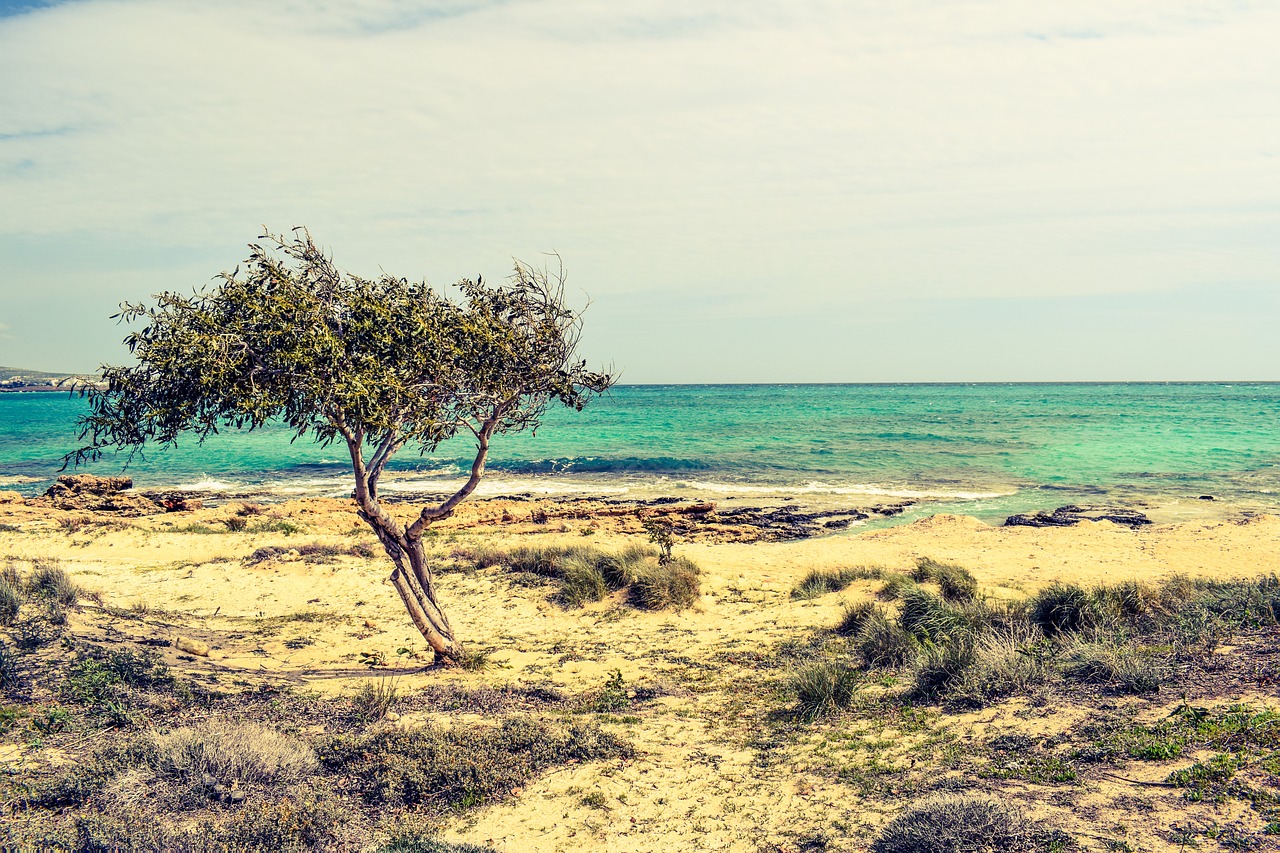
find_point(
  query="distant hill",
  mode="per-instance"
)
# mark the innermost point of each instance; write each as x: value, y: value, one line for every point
x: 19, y: 378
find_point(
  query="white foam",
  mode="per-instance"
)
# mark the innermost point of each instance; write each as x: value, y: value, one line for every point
x: 870, y: 489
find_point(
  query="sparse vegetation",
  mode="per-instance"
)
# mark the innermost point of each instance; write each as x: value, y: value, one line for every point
x: 824, y: 688
x: 953, y: 823
x: 233, y: 752
x: 822, y: 581
x: 50, y: 581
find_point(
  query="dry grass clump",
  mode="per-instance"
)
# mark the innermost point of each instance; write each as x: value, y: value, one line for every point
x: 955, y: 582
x: 884, y: 644
x: 234, y: 752
x: 50, y: 581
x: 461, y: 767
x: 822, y: 581
x: 954, y: 823
x: 1114, y: 663
x: 856, y: 616
x: 373, y: 700
x: 419, y: 844
x: 896, y: 586
x: 1065, y: 608
x: 588, y: 574
x: 673, y: 585
x: 10, y: 602
x: 825, y: 688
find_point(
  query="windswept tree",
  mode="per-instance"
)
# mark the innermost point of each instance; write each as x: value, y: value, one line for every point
x: 378, y: 364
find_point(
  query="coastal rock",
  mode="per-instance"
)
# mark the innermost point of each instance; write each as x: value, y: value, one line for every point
x: 175, y: 501
x: 11, y: 498
x: 1068, y: 516
x: 87, y: 493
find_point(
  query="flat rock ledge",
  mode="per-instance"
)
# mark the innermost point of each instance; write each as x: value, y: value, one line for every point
x: 1067, y: 516
x: 109, y: 495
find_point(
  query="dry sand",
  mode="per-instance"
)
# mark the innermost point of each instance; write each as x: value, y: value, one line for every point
x: 702, y: 779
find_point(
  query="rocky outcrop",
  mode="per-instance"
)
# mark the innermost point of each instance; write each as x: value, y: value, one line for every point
x: 87, y: 493
x: 1066, y: 516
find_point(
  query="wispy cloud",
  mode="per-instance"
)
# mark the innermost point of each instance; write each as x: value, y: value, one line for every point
x: 819, y: 153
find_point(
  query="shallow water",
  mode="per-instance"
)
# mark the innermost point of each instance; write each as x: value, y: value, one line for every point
x: 981, y: 449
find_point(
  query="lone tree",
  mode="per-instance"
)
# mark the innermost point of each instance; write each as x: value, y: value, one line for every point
x: 378, y: 364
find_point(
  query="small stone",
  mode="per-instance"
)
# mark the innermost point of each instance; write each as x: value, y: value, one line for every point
x: 192, y: 647
x: 371, y: 625
x: 391, y: 716
x: 289, y: 556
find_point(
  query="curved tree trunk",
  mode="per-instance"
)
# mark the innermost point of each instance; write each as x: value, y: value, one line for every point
x: 412, y: 577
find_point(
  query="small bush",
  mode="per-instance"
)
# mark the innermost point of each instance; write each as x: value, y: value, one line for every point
x: 938, y: 667
x: 674, y: 585
x: 49, y: 580
x: 825, y: 688
x: 953, y: 823
x: 621, y: 570
x: 1125, y: 667
x: 822, y: 581
x: 855, y: 616
x: 581, y: 581
x: 236, y: 523
x: 1064, y: 608
x: 463, y: 766
x: 1005, y: 661
x: 928, y: 617
x: 373, y: 700
x: 896, y: 586
x: 955, y: 582
x: 10, y: 602
x: 239, y: 752
x: 884, y: 644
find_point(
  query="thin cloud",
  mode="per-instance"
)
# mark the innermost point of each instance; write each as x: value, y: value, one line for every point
x: 834, y: 152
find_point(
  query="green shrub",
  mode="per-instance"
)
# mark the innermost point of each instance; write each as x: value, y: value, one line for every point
x: 855, y: 616
x: 938, y: 667
x: 1063, y: 608
x: 896, y: 586
x: 233, y: 752
x: 954, y: 823
x: 49, y: 580
x: 622, y: 569
x: 928, y: 617
x: 672, y: 586
x: 1005, y: 661
x: 1109, y: 663
x: 884, y: 644
x: 822, y: 581
x: 581, y: 581
x: 10, y: 602
x: 825, y: 688
x: 955, y: 582
x: 462, y: 766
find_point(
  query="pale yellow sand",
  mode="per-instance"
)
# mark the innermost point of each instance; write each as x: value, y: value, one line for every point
x: 698, y: 782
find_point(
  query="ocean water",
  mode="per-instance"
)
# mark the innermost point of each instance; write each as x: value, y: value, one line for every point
x: 981, y: 449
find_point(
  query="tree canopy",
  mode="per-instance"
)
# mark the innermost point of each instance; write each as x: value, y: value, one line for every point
x: 378, y: 364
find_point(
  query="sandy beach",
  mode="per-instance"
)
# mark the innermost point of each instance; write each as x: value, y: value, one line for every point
x: 713, y: 766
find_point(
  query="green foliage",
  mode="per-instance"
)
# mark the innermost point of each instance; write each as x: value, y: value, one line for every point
x: 1063, y: 608
x: 50, y: 581
x: 662, y: 534
x: 955, y: 582
x: 1127, y: 667
x: 463, y: 766
x: 824, y: 688
x: 373, y: 699
x: 855, y: 617
x: 670, y: 586
x: 10, y: 670
x: 99, y: 680
x: 953, y: 823
x: 10, y: 602
x: 885, y: 644
x: 288, y: 337
x: 581, y: 581
x: 896, y: 586
x: 822, y: 581
x: 613, y: 696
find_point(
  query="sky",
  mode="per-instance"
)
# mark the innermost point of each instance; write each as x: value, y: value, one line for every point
x: 744, y: 191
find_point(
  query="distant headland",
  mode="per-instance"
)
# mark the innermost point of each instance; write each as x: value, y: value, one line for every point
x: 17, y: 379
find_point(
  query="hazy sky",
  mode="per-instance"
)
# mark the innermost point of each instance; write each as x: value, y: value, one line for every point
x: 862, y: 190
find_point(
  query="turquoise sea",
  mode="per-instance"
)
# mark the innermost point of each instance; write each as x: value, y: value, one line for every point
x: 981, y: 449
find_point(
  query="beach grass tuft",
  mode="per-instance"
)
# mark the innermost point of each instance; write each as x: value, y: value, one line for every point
x: 822, y: 581
x: 960, y: 823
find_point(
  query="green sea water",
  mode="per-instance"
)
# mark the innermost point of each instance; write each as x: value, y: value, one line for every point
x: 983, y: 449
